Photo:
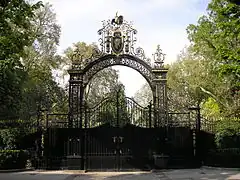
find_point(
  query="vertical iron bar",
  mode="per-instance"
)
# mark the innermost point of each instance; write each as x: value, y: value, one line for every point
x: 198, y: 118
x: 155, y: 107
x: 69, y: 104
x: 81, y: 105
x: 47, y: 121
x: 118, y: 108
x: 189, y: 120
x: 150, y: 114
x: 85, y: 138
x: 117, y: 141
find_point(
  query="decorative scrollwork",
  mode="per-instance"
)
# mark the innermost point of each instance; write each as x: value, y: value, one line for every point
x: 76, y: 66
x: 147, y: 74
x: 79, y: 61
x: 139, y: 52
x: 159, y: 57
x: 119, y: 37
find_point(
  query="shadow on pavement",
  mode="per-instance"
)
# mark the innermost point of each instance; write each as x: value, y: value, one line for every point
x: 200, y: 174
x: 194, y: 174
x: 118, y: 176
x: 66, y: 175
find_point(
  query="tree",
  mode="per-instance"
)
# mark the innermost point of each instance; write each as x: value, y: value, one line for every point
x: 15, y: 34
x: 144, y: 95
x: 41, y: 91
x: 46, y: 34
x: 216, y: 36
x: 216, y: 39
x: 102, y: 83
x: 193, y: 81
x: 114, y: 108
x: 186, y: 79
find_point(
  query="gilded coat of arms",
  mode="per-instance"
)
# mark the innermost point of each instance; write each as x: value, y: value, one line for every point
x: 117, y: 42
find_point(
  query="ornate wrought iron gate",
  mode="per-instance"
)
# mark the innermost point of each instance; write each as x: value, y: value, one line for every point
x: 117, y: 47
x: 110, y: 144
x: 114, y: 129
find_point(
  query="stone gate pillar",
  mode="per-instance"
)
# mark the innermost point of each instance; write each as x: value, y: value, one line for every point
x: 159, y: 83
x: 76, y: 90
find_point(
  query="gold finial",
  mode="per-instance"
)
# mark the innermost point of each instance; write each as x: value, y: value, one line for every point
x: 159, y: 57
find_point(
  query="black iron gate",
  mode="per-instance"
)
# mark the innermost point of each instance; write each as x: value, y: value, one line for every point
x: 118, y: 135
x: 128, y: 147
x: 131, y: 143
x: 114, y: 129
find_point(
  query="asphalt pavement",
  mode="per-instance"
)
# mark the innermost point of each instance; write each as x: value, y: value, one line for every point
x: 182, y: 174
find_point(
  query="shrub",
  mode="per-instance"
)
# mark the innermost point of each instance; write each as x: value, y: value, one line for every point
x: 228, y: 133
x: 229, y: 158
x: 13, y: 159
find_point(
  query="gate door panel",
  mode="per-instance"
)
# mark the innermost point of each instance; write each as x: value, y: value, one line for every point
x: 101, y: 149
x: 122, y: 148
x: 116, y: 132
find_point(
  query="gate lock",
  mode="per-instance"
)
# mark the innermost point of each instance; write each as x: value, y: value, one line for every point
x: 118, y: 139
x: 120, y: 151
x: 121, y: 139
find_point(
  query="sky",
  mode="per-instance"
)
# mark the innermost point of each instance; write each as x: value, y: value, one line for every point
x: 161, y: 22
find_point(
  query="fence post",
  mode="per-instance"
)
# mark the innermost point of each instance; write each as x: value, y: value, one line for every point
x: 198, y: 138
x: 198, y: 123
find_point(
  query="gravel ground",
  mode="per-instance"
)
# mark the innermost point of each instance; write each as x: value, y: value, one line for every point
x: 183, y: 174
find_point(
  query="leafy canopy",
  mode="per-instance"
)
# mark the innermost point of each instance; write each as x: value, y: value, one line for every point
x: 217, y: 36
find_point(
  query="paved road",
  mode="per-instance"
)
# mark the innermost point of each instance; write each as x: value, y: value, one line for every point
x: 193, y: 174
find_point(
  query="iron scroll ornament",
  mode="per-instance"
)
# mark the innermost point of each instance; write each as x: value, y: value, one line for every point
x: 110, y: 60
x: 119, y: 37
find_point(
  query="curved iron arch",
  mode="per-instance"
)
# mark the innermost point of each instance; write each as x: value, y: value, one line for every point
x: 135, y: 102
x: 124, y: 60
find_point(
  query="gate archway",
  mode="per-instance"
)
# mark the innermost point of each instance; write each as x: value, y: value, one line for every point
x: 114, y: 147
x: 117, y: 47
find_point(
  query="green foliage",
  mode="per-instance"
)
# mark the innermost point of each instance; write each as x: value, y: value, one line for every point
x: 13, y: 159
x: 229, y: 158
x: 102, y: 83
x: 217, y: 37
x: 228, y: 133
x: 10, y: 137
x: 40, y: 91
x: 80, y: 52
x: 15, y: 27
x: 15, y: 34
x: 144, y: 95
x: 208, y: 73
x: 188, y: 81
x: 210, y: 109
x: 11, y: 82
x: 111, y: 108
x: 28, y: 57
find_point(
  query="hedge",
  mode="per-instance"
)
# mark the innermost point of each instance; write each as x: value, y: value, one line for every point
x: 13, y: 159
x: 228, y: 157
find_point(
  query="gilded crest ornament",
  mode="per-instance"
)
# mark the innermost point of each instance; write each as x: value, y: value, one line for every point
x: 117, y: 42
x: 119, y: 37
x: 159, y: 57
